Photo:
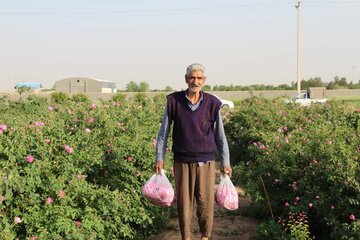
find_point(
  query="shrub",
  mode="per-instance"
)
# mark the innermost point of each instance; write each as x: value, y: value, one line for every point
x: 308, y: 159
x: 59, y: 97
x: 74, y: 170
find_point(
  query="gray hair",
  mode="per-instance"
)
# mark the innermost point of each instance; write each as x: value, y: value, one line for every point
x: 195, y: 67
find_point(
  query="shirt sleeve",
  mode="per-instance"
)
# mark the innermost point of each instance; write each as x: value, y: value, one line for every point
x: 163, y: 136
x: 221, y: 141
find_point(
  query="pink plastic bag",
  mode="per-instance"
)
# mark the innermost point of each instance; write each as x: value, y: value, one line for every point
x: 159, y: 191
x: 226, y: 194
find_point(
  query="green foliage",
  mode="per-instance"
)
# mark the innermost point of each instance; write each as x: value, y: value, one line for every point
x: 23, y: 89
x: 132, y: 87
x: 119, y: 98
x: 270, y: 230
x: 59, y: 97
x: 307, y: 157
x: 297, y: 226
x: 74, y: 170
x: 144, y: 87
x: 80, y: 97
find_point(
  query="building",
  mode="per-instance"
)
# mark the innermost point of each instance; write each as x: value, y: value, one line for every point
x: 85, y: 85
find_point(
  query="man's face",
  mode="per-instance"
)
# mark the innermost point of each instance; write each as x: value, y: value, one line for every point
x: 195, y: 81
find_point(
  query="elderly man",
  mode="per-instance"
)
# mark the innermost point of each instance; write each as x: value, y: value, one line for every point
x: 198, y: 132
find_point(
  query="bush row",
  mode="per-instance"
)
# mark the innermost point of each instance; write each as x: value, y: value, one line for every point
x: 73, y: 169
x: 300, y: 165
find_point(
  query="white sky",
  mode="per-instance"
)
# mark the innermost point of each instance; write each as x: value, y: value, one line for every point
x: 239, y: 42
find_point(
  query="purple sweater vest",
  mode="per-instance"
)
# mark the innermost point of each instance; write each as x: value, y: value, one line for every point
x: 193, y: 131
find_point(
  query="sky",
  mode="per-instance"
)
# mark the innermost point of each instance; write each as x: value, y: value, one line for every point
x: 239, y: 42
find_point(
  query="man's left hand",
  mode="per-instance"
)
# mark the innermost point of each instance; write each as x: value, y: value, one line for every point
x: 227, y: 170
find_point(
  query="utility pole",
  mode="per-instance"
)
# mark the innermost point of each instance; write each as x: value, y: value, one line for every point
x: 297, y: 6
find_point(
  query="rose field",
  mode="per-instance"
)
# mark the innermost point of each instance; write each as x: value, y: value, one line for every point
x: 71, y: 168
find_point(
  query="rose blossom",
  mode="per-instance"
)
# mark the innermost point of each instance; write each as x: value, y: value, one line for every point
x: 49, y: 200
x: 39, y: 124
x: 286, y: 204
x: 17, y: 220
x: 68, y: 149
x: 310, y: 205
x: 93, y: 106
x: 61, y: 194
x: 352, y: 217
x: 3, y: 127
x: 90, y: 120
x: 2, y: 198
x: 29, y: 158
x: 78, y: 223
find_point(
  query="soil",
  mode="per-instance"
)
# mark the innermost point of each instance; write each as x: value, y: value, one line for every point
x: 228, y: 225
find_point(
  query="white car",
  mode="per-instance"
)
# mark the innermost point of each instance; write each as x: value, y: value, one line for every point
x: 226, y: 103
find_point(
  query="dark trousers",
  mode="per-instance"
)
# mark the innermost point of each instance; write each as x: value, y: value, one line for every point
x: 195, y: 183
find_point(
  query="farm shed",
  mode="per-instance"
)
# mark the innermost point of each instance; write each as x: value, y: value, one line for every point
x: 85, y: 85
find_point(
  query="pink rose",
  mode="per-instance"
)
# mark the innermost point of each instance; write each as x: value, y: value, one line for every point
x: 39, y: 124
x: 352, y: 217
x: 17, y: 220
x: 2, y: 198
x: 286, y: 204
x: 93, y: 106
x: 78, y: 223
x: 90, y: 120
x: 310, y: 205
x: 29, y: 158
x: 49, y: 200
x: 68, y: 149
x: 61, y: 194
x: 3, y: 127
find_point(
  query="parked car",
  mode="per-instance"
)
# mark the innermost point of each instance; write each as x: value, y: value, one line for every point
x: 314, y: 95
x: 225, y: 103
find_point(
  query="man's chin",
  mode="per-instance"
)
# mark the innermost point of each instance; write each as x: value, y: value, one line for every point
x: 194, y: 89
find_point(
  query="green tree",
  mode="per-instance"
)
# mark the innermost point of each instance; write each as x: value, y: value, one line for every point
x: 207, y: 88
x: 168, y: 89
x: 23, y: 89
x: 143, y: 87
x: 132, y: 87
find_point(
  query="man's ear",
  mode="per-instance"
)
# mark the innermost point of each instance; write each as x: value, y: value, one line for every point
x: 186, y: 79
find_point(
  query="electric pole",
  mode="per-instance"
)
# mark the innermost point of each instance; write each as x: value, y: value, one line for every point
x: 297, y: 6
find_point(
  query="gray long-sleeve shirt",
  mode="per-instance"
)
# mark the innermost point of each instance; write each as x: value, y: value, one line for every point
x: 220, y: 138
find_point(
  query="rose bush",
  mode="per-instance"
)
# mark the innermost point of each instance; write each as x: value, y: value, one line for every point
x: 71, y: 168
x: 302, y: 159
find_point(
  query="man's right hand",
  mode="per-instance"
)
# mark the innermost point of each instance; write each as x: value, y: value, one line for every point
x: 159, y: 166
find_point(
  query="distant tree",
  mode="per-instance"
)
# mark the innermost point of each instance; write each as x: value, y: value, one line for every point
x: 143, y: 87
x: 23, y: 89
x: 168, y: 89
x: 207, y: 88
x: 132, y: 87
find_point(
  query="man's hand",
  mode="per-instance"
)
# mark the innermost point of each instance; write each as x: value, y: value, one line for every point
x: 159, y: 166
x: 227, y: 170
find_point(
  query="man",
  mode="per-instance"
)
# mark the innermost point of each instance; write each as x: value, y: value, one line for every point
x: 198, y: 132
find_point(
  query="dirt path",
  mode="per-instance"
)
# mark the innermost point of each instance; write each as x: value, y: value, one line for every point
x: 227, y: 226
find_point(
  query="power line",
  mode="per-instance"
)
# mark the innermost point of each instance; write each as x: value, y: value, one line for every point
x: 169, y: 11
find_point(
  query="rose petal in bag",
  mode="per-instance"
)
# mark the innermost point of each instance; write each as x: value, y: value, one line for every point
x: 226, y: 194
x: 158, y: 190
